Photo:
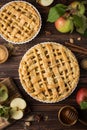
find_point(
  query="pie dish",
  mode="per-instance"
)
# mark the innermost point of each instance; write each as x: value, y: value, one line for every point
x: 49, y: 72
x: 20, y: 22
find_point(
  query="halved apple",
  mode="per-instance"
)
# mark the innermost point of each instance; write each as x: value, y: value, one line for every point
x: 16, y: 113
x: 45, y: 2
x: 3, y: 93
x: 17, y: 108
x: 19, y: 103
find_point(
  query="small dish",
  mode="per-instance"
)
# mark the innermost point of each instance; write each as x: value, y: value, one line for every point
x: 3, y: 54
x: 68, y: 115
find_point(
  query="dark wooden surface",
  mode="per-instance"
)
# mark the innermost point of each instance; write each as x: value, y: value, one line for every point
x: 10, y: 69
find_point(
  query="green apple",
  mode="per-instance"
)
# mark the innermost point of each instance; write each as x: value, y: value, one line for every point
x: 78, y: 7
x: 3, y: 93
x: 64, y: 25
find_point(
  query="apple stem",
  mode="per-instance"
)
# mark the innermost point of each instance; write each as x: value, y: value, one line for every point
x: 66, y: 15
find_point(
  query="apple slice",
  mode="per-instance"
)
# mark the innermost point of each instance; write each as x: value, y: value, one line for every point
x: 19, y: 103
x: 45, y: 2
x: 16, y: 113
x: 3, y: 93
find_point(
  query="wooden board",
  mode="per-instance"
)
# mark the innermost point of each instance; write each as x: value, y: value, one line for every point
x: 10, y: 69
x: 13, y: 93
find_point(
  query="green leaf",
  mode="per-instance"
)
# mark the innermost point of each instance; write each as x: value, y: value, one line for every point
x: 80, y: 23
x: 55, y: 12
x: 85, y: 33
x: 83, y: 105
x: 4, y: 111
x: 77, y: 21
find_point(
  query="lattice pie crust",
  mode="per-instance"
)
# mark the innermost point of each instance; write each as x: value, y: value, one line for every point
x: 20, y: 22
x: 49, y: 72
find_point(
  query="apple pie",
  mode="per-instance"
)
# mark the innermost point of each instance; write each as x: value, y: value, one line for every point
x: 49, y: 72
x: 20, y: 22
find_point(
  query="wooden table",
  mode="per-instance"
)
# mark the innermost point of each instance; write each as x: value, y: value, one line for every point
x: 10, y: 69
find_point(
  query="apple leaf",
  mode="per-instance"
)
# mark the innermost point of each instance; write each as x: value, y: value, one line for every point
x: 80, y: 23
x: 83, y: 105
x: 77, y: 21
x: 85, y: 33
x: 4, y: 111
x: 55, y: 12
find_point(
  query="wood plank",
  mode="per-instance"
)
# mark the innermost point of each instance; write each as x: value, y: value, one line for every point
x: 10, y: 69
x: 13, y: 93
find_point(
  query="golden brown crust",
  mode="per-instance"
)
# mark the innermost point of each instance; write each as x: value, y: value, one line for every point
x: 49, y: 72
x: 19, y: 21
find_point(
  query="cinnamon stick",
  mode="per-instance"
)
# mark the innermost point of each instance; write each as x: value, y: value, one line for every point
x: 76, y: 48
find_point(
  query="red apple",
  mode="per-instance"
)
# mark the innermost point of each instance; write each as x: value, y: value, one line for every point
x: 81, y: 98
x: 64, y: 25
